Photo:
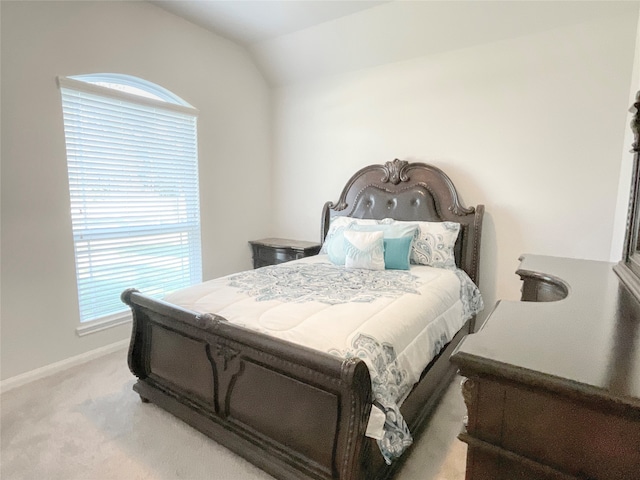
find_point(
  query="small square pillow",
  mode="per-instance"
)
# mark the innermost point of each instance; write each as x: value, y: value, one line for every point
x: 364, y: 250
x: 397, y: 252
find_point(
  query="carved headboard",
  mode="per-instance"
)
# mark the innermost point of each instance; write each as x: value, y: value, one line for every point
x: 411, y: 191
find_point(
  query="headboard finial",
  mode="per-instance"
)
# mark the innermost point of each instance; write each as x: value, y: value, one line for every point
x: 395, y: 172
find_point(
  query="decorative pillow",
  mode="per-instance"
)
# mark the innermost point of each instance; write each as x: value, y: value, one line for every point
x: 434, y: 244
x: 333, y: 244
x: 397, y: 252
x: 393, y: 230
x: 334, y: 247
x: 364, y: 250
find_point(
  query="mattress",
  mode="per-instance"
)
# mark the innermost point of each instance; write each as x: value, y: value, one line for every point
x: 395, y: 321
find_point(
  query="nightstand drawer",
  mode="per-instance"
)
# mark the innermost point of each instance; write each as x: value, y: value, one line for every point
x: 271, y: 251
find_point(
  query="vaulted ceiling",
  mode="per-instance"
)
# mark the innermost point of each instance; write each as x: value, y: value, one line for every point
x: 252, y: 21
x: 297, y: 40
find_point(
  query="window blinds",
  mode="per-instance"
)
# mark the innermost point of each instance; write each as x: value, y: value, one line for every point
x: 133, y: 182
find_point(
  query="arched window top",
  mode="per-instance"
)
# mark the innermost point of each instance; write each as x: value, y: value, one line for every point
x: 132, y: 85
x: 127, y: 87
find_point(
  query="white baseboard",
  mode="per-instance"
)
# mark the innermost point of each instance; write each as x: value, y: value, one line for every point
x: 38, y: 373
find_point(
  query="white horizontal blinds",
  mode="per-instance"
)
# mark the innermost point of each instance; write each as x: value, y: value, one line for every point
x: 133, y: 179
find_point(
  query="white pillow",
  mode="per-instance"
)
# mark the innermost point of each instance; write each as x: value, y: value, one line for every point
x: 333, y: 244
x: 389, y: 230
x: 364, y: 250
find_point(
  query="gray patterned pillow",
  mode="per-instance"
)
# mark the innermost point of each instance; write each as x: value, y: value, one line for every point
x: 434, y: 244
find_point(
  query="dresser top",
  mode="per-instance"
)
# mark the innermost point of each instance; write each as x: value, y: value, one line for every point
x: 285, y: 243
x: 585, y: 345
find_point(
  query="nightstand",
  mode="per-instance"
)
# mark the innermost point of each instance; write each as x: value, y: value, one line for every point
x: 270, y: 251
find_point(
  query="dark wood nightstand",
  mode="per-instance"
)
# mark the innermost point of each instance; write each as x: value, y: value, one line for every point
x: 270, y: 251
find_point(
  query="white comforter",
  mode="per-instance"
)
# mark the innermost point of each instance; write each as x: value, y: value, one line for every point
x: 396, y: 321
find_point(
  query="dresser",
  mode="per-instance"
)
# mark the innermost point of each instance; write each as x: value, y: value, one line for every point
x: 271, y: 251
x: 552, y: 383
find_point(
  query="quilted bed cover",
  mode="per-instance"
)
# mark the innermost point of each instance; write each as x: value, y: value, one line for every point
x: 396, y: 321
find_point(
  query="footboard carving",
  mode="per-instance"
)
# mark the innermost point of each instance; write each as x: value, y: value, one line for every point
x: 237, y: 386
x: 232, y: 365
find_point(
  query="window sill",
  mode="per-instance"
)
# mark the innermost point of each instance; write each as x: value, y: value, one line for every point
x: 103, y: 323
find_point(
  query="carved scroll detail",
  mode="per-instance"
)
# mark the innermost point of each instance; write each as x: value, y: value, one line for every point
x: 226, y: 353
x: 136, y: 346
x: 635, y: 125
x: 461, y: 211
x: 227, y: 366
x: 395, y: 172
x: 355, y: 375
x: 468, y: 387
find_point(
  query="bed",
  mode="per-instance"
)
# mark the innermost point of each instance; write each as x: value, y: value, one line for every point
x: 296, y: 411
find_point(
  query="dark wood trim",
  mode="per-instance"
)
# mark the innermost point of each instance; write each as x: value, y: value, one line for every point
x: 629, y: 267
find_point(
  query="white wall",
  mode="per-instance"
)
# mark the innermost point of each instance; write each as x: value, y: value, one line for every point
x: 41, y: 40
x: 530, y: 126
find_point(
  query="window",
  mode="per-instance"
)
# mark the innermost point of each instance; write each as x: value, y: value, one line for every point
x: 133, y: 182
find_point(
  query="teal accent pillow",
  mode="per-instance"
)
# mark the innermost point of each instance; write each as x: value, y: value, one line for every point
x: 434, y: 243
x: 397, y: 252
x: 334, y: 247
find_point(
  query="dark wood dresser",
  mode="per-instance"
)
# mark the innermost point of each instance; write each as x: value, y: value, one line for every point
x: 552, y: 382
x: 271, y: 251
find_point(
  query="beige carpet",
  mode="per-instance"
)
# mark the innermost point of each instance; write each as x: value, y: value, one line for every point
x: 87, y: 424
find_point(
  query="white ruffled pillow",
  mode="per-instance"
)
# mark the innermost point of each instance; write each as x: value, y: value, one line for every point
x: 364, y: 250
x: 333, y: 244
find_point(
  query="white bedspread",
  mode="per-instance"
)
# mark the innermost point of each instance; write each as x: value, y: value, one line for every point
x: 396, y: 321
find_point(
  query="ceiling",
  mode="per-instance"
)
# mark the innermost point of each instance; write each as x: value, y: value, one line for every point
x: 304, y: 40
x: 251, y: 21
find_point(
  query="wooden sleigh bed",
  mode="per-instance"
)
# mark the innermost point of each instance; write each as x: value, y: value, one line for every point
x: 295, y: 412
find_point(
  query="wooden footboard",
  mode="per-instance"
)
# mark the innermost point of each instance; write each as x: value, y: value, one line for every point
x: 292, y: 411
